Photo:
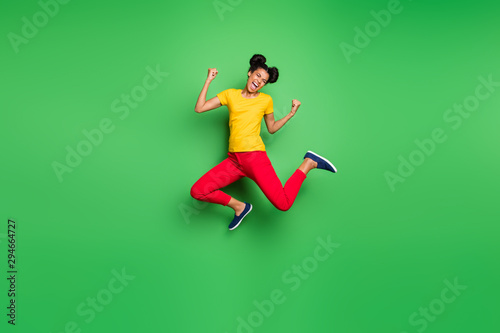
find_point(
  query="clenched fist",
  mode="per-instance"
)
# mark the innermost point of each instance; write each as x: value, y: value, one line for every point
x: 295, y: 106
x: 212, y: 73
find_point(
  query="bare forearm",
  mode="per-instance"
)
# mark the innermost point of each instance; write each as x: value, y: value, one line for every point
x: 279, y: 123
x: 276, y: 125
x: 203, y: 96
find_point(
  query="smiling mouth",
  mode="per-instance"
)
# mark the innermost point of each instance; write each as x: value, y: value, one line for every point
x: 254, y: 85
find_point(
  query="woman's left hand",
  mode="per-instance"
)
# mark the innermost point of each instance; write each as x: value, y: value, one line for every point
x: 295, y: 106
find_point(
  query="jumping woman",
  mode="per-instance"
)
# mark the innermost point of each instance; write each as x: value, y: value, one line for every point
x: 247, y: 155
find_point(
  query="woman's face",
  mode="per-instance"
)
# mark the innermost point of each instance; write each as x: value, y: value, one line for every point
x: 257, y: 79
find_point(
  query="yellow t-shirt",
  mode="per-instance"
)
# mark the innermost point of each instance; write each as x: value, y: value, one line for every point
x: 245, y: 117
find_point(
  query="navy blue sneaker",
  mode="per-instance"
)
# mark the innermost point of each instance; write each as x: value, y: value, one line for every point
x: 237, y: 219
x: 323, y: 163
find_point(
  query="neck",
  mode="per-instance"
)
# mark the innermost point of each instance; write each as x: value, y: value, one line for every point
x: 247, y: 94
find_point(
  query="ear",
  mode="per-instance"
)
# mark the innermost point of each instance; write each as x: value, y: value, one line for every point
x: 249, y: 73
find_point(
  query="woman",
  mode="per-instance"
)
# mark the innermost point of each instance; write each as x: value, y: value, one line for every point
x: 247, y: 155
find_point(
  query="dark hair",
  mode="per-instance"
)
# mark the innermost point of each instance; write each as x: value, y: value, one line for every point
x: 259, y: 61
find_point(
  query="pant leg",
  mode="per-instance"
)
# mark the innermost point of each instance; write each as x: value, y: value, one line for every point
x: 207, y: 187
x: 257, y: 166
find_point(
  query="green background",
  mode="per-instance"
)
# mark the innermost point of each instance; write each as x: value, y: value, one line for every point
x: 127, y: 206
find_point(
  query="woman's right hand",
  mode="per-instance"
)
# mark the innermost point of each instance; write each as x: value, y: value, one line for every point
x: 212, y: 73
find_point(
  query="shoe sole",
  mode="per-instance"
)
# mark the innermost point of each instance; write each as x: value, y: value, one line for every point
x: 242, y: 218
x: 327, y: 161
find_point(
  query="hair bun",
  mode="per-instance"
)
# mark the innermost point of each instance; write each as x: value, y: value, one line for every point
x: 257, y: 59
x: 273, y: 74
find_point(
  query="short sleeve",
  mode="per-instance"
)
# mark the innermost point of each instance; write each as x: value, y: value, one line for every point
x: 269, y: 108
x: 223, y: 97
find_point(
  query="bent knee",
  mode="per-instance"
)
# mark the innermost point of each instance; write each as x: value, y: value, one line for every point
x: 196, y: 192
x: 283, y: 207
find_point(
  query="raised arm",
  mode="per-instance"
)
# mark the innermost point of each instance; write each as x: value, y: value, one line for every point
x: 202, y: 105
x: 274, y: 125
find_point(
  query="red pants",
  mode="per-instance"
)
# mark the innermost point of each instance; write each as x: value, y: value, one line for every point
x: 254, y: 165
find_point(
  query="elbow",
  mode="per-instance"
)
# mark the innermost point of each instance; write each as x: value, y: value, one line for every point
x: 271, y: 129
x: 198, y: 108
